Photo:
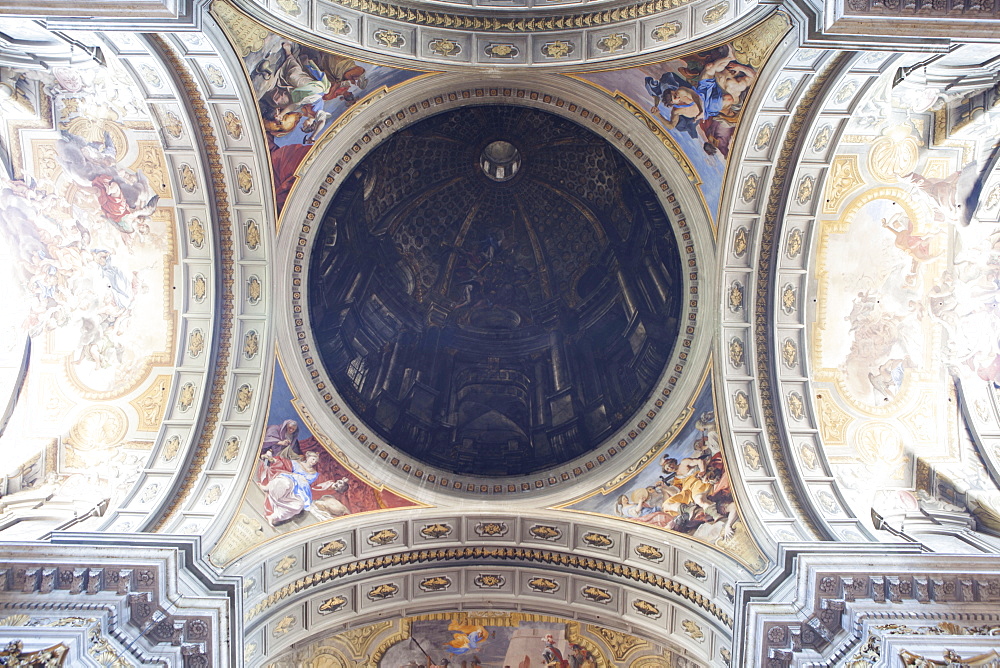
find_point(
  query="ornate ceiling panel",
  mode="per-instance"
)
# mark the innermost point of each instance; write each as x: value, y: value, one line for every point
x: 359, y: 410
x: 490, y: 33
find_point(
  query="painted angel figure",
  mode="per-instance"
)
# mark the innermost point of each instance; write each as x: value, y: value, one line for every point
x: 127, y: 200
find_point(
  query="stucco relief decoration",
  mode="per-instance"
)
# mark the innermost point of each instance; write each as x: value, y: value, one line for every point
x: 233, y: 124
x: 290, y: 7
x: 614, y: 42
x: 302, y: 91
x: 764, y: 134
x: 445, y: 47
x: 196, y: 233
x: 336, y: 24
x: 503, y: 50
x: 172, y: 124
x: 558, y: 49
x: 686, y: 489
x: 665, y: 31
x: 215, y: 76
x: 784, y: 89
x: 251, y: 344
x: 698, y: 98
x: 390, y: 38
x: 751, y: 456
x: 231, y: 449
x: 244, y: 179
x: 736, y: 351
x: 87, y: 240
x: 251, y: 234
x: 171, y: 448
x: 298, y: 481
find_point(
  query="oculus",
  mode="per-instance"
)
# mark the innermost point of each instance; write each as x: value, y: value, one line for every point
x: 495, y: 290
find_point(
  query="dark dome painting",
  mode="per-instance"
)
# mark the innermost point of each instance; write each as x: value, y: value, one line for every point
x: 495, y: 290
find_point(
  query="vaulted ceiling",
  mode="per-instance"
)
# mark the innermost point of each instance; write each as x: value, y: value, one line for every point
x: 432, y: 329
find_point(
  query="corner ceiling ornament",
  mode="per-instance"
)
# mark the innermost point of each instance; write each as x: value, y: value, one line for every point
x: 694, y: 104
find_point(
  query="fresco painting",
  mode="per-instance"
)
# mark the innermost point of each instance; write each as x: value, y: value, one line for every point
x: 915, y: 307
x: 302, y: 91
x: 87, y: 241
x: 699, y: 98
x: 297, y: 482
x: 85, y: 228
x: 469, y: 643
x: 480, y: 639
x: 300, y: 481
x: 685, y: 488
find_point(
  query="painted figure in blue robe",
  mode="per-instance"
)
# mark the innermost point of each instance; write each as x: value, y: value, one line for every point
x: 714, y: 85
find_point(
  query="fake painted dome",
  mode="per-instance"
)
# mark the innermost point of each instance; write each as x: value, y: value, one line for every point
x: 496, y: 291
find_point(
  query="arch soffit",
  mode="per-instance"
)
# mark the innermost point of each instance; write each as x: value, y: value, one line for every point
x: 460, y: 36
x: 189, y: 470
x: 325, y: 587
x: 768, y: 247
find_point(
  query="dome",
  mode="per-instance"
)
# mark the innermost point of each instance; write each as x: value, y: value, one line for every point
x: 496, y: 291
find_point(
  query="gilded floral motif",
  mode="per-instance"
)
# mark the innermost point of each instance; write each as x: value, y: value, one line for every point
x: 665, y: 31
x: 188, y: 180
x: 231, y: 449
x: 283, y: 626
x: 736, y: 296
x: 789, y: 299
x: 789, y: 353
x: 796, y: 406
x: 749, y: 191
x: 613, y: 43
x: 741, y: 402
x: 445, y: 47
x: 751, y: 456
x: 805, y: 191
x: 171, y: 448
x: 196, y: 232
x: 290, y: 7
x: 736, y: 352
x: 715, y: 13
x: 254, y: 290
x: 199, y: 288
x: 186, y: 397
x: 764, y: 135
x: 172, y: 125
x: 693, y: 630
x: 213, y: 494
x: 501, y: 50
x: 244, y: 179
x: 557, y: 49
x: 215, y: 76
x: 243, y: 397
x: 252, y: 234
x: 196, y: 343
x: 251, y: 344
x: 234, y: 126
x: 793, y: 243
x: 783, y: 90
x: 336, y: 24
x: 390, y: 38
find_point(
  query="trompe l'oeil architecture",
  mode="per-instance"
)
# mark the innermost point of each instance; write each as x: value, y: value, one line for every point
x: 500, y: 333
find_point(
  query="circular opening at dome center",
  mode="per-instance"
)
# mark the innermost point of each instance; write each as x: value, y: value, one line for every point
x: 500, y: 161
x: 487, y: 327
